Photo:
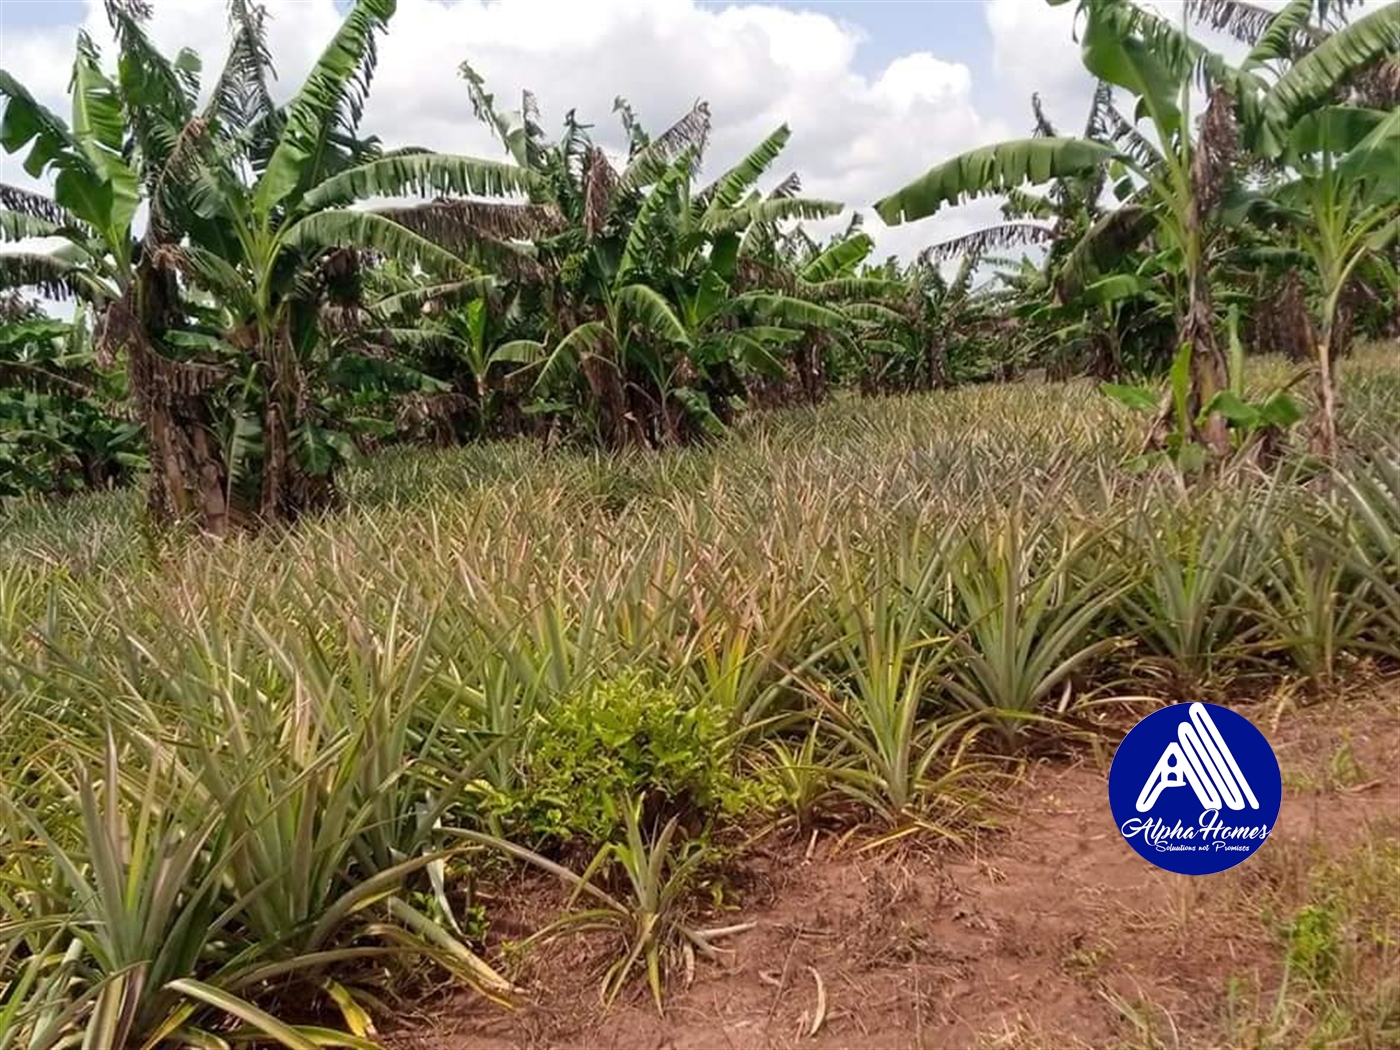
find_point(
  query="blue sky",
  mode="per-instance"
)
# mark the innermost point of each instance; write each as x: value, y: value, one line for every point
x: 20, y: 13
x: 956, y: 28
x: 891, y: 24
x: 875, y: 91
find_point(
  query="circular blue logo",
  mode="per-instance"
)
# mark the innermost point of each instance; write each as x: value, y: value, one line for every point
x: 1195, y: 788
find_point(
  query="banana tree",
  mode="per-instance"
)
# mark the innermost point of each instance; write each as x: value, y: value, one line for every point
x: 1131, y: 49
x: 821, y: 288
x: 695, y: 250
x: 914, y: 335
x: 292, y: 242
x: 695, y: 347
x: 636, y: 324
x: 61, y: 419
x: 467, y: 345
x: 763, y: 316
x: 1341, y: 199
x: 1178, y: 181
x: 261, y: 221
x: 576, y: 267
x: 123, y: 141
x: 643, y: 257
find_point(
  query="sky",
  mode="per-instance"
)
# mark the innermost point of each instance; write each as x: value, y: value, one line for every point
x: 875, y: 91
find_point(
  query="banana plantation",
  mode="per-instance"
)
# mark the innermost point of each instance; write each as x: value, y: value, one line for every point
x: 438, y: 588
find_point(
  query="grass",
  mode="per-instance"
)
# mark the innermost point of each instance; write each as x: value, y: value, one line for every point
x: 1334, y: 927
x: 237, y: 774
x: 1328, y: 918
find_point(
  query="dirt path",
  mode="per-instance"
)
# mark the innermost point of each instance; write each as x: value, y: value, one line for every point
x: 1040, y: 936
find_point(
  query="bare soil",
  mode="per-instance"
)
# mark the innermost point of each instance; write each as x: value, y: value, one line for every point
x: 1024, y: 937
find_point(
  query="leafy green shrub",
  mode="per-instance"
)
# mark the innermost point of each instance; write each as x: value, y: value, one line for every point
x: 620, y: 738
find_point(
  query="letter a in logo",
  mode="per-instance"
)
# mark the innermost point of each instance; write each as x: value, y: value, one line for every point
x: 1199, y: 757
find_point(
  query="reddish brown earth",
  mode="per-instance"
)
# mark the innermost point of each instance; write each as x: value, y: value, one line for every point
x: 1022, y: 939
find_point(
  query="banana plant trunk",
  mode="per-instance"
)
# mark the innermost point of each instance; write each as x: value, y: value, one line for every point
x: 671, y: 421
x: 810, y: 364
x: 1107, y: 345
x: 288, y: 489
x: 936, y: 363
x: 619, y: 426
x: 1324, y: 428
x: 1334, y: 332
x: 483, y: 402
x: 1288, y: 316
x: 1212, y: 160
x: 1208, y: 367
x: 188, y: 479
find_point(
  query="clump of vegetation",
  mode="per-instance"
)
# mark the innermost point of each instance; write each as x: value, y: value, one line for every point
x: 1312, y: 944
x: 621, y: 738
x: 647, y: 908
x: 1335, y: 926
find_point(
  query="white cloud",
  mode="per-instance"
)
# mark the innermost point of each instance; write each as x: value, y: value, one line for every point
x: 1033, y: 50
x: 855, y: 137
x: 921, y: 77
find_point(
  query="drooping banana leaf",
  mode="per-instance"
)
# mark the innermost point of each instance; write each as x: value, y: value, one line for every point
x: 419, y: 175
x: 992, y: 169
x: 687, y: 135
x: 788, y: 312
x: 368, y: 231
x: 996, y: 238
x: 591, y: 337
x: 639, y: 305
x: 1315, y: 78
